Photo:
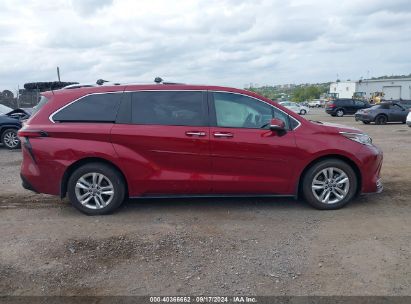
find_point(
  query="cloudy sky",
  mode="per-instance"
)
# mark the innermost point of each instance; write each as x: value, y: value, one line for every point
x: 227, y: 42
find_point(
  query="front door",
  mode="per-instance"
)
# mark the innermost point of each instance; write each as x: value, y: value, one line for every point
x: 248, y: 158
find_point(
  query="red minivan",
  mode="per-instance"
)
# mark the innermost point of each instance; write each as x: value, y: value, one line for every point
x: 100, y: 145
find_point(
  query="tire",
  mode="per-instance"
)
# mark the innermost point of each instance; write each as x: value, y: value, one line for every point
x: 10, y: 140
x: 339, y: 113
x: 381, y: 120
x: 303, y: 112
x: 316, y: 173
x: 96, y: 203
x: 366, y: 122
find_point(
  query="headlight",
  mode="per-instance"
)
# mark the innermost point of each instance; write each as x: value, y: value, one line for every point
x: 358, y: 137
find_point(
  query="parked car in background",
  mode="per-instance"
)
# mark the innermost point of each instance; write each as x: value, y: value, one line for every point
x: 100, y: 145
x: 409, y: 119
x: 10, y: 123
x: 4, y: 109
x: 316, y: 103
x: 383, y: 113
x: 295, y: 107
x: 345, y: 106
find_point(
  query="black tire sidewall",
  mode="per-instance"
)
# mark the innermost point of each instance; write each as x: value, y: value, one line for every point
x: 380, y: 120
x: 111, y: 173
x: 312, y: 171
x: 3, y: 135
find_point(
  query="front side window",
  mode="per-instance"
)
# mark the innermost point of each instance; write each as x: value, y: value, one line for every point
x: 239, y: 111
x: 176, y: 108
x: 91, y: 108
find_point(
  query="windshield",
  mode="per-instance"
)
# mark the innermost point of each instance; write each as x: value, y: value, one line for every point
x: 380, y: 106
x: 4, y: 109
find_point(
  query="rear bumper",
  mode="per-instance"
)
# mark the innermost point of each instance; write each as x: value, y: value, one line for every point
x: 26, y: 184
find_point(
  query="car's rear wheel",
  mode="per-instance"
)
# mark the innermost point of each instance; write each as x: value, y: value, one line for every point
x: 340, y: 112
x: 381, y: 120
x: 96, y: 188
x: 329, y: 184
x: 303, y: 112
x: 10, y: 139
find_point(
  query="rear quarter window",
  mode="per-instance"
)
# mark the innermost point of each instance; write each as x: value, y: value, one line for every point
x: 43, y: 100
x: 91, y: 108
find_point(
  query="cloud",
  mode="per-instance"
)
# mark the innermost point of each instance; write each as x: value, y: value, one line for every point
x: 227, y: 42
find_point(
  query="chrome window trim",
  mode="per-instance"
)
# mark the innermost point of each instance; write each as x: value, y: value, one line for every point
x: 134, y: 91
x: 75, y: 100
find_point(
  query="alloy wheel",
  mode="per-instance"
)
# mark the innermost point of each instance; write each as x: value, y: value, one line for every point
x: 330, y: 185
x: 11, y: 140
x: 94, y: 190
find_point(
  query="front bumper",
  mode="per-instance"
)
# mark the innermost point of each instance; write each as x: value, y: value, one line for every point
x: 372, y: 158
x: 361, y: 117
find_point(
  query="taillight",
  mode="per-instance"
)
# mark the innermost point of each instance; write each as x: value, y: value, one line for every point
x: 31, y: 133
x: 331, y: 105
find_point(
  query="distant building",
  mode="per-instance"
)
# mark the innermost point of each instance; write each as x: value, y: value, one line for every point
x: 393, y: 89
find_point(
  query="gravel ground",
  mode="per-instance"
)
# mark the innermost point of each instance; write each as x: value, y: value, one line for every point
x: 212, y: 246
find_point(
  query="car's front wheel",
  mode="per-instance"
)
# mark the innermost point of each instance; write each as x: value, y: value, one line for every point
x: 96, y: 188
x: 10, y: 139
x: 329, y: 184
x: 381, y: 120
x: 303, y: 112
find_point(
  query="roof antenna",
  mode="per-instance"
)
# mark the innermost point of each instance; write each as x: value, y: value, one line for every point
x: 101, y: 81
x: 158, y: 80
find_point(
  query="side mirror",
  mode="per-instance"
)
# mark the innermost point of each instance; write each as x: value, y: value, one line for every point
x: 277, y: 125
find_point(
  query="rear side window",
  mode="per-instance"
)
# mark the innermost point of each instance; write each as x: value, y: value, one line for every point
x: 91, y: 108
x: 176, y: 108
x: 345, y: 102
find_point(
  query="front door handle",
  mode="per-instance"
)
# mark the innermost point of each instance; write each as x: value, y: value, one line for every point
x: 223, y: 134
x: 195, y: 133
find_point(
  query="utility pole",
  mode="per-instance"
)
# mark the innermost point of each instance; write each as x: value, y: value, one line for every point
x: 18, y: 97
x: 58, y: 74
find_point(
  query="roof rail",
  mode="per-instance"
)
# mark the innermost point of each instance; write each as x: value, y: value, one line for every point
x: 102, y: 82
x: 160, y: 80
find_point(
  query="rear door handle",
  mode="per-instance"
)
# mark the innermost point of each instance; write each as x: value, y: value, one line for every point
x: 195, y: 133
x: 223, y: 134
